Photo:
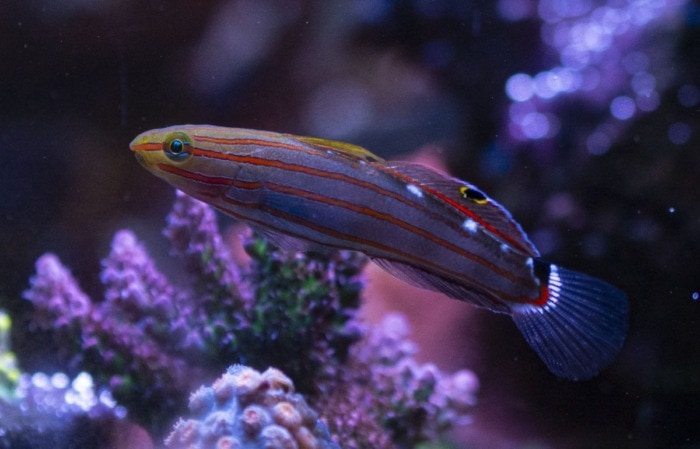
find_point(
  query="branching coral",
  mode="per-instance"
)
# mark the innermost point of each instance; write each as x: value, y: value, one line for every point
x: 123, y: 340
x: 151, y: 342
x: 385, y: 397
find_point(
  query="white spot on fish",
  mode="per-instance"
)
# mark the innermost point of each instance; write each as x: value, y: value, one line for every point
x: 529, y: 262
x: 414, y: 189
x: 470, y: 225
x: 504, y: 248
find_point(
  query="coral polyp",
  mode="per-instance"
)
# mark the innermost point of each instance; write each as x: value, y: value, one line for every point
x: 264, y: 413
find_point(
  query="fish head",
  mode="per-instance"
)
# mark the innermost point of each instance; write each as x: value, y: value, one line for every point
x: 179, y: 155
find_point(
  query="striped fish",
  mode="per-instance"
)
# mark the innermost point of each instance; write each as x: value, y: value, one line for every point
x: 426, y: 228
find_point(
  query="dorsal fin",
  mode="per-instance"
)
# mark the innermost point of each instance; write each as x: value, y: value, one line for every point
x: 468, y: 201
x: 342, y: 148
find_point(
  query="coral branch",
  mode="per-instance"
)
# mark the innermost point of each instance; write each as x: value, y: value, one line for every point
x: 385, y: 397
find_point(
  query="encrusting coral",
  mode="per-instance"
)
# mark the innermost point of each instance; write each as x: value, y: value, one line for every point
x: 248, y: 409
x: 151, y: 342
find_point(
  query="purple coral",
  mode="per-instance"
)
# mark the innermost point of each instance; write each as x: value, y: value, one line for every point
x: 132, y: 281
x: 385, y: 399
x: 149, y: 342
x: 194, y: 235
x: 59, y: 302
x: 217, y: 295
x: 147, y: 339
x: 126, y: 337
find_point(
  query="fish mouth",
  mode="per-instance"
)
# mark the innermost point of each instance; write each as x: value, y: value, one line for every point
x: 135, y: 145
x: 140, y: 159
x: 139, y: 146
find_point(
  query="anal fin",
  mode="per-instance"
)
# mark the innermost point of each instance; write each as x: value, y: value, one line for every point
x: 423, y: 279
x: 293, y: 244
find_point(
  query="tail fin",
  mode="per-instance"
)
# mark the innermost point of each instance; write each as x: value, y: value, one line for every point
x: 581, y: 327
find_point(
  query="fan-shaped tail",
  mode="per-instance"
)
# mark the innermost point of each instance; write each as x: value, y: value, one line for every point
x: 581, y: 327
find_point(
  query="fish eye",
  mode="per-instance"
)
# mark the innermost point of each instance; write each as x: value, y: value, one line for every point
x: 177, y: 147
x: 472, y: 194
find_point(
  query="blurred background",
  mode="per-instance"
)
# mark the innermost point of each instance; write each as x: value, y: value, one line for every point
x: 581, y: 117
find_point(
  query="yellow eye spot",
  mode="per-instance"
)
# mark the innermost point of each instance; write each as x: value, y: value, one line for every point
x: 473, y: 195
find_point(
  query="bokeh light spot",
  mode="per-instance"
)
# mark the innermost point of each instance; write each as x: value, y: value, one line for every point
x: 648, y: 103
x: 635, y: 62
x: 514, y: 10
x: 519, y: 87
x: 535, y: 125
x: 555, y: 10
x: 643, y: 83
x: 622, y: 107
x: 679, y: 133
x: 545, y: 85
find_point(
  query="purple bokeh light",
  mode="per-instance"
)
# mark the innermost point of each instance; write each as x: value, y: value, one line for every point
x: 519, y: 87
x: 679, y: 133
x: 607, y: 62
x: 622, y: 107
x: 514, y: 10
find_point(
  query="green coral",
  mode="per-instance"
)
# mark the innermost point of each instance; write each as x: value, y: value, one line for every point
x: 304, y: 304
x: 9, y: 371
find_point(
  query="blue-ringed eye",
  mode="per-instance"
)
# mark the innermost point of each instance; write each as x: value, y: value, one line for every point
x: 177, y: 147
